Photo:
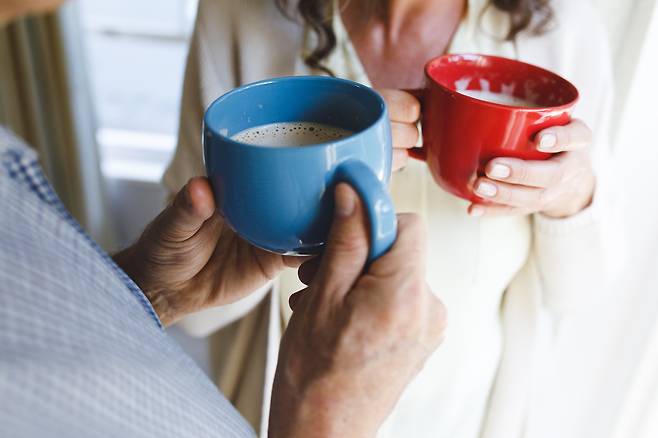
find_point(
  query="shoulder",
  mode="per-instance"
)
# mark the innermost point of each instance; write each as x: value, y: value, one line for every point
x: 582, y: 23
x: 242, y: 14
x: 252, y: 38
x: 241, y: 41
x: 15, y: 155
x: 574, y: 12
x: 576, y: 34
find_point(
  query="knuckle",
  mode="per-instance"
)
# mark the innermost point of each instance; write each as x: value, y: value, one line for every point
x: 351, y: 242
x: 414, y: 288
x: 399, y: 105
x: 413, y: 109
x: 412, y: 134
x: 581, y: 133
x: 404, y: 315
x: 173, y: 255
x: 402, y: 106
x: 396, y: 133
x: 522, y: 173
x: 404, y: 134
x: 558, y: 175
x: 407, y: 134
x: 505, y: 195
x: 392, y: 322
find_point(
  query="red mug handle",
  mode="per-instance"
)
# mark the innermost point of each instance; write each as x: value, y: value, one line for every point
x: 419, y: 153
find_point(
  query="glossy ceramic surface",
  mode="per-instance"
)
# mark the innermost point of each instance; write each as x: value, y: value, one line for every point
x: 462, y: 134
x: 281, y: 199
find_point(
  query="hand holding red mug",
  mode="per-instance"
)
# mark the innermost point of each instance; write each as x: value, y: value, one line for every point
x: 558, y: 187
x: 497, y: 132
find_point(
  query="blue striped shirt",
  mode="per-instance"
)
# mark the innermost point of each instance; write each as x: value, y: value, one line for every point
x: 82, y: 352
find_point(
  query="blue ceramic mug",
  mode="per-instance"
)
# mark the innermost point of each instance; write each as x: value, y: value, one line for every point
x: 281, y: 198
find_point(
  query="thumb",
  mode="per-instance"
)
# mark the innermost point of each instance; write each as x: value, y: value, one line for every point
x: 191, y: 208
x: 347, y: 249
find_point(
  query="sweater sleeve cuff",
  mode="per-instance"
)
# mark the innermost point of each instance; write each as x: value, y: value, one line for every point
x: 572, y: 257
x: 557, y: 227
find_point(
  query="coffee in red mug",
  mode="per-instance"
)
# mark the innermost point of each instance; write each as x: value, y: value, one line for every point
x: 478, y: 107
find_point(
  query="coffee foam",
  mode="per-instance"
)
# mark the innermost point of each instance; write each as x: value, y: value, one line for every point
x: 500, y: 98
x: 290, y: 134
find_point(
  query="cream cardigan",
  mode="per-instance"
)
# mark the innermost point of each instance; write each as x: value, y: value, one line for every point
x: 511, y: 285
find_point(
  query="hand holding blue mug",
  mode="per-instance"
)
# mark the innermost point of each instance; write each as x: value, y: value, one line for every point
x: 280, y: 198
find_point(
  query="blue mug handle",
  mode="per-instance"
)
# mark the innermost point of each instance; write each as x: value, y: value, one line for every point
x: 381, y: 213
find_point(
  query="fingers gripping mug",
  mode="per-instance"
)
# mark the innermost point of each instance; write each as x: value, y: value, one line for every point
x: 477, y: 107
x: 274, y: 150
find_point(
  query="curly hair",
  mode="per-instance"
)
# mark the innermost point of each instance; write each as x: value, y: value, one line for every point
x: 531, y: 15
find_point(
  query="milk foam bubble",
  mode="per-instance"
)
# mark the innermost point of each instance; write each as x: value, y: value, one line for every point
x: 291, y: 134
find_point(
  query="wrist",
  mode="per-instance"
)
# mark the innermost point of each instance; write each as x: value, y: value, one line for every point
x: 322, y: 410
x: 131, y: 262
x: 574, y: 203
x: 125, y: 260
x: 569, y: 210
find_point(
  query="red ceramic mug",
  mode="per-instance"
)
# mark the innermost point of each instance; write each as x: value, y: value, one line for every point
x: 461, y: 134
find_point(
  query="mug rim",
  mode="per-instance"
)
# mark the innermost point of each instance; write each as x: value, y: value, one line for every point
x: 565, y: 106
x: 306, y: 78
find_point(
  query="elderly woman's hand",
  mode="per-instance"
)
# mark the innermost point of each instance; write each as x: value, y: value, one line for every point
x: 404, y: 112
x: 558, y: 187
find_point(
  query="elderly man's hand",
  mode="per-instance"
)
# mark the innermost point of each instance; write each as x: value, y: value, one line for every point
x: 188, y: 259
x: 355, y: 339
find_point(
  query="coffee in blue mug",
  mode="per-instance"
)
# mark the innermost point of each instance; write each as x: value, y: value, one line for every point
x: 274, y: 151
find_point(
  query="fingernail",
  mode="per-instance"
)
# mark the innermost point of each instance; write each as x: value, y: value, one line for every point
x: 486, y: 189
x: 547, y: 142
x: 345, y: 202
x: 500, y: 171
x: 476, y: 211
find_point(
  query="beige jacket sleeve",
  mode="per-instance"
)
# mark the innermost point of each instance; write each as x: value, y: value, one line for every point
x: 208, y: 75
